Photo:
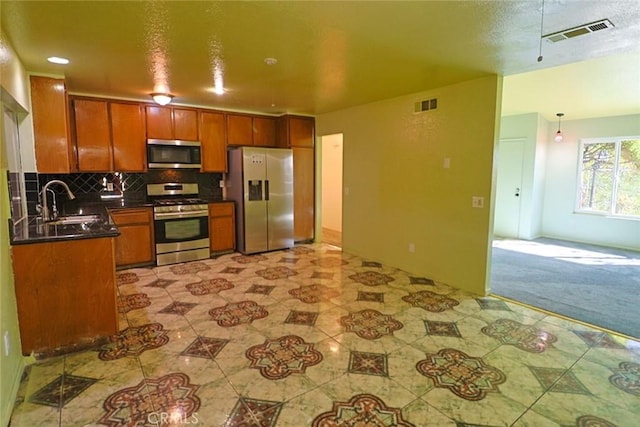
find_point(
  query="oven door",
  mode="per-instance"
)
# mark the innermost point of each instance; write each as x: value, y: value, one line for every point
x: 181, y: 236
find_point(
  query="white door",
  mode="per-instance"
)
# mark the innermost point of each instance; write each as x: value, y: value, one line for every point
x: 506, y: 221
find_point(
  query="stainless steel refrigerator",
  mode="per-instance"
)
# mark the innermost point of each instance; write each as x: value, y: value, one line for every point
x: 260, y: 181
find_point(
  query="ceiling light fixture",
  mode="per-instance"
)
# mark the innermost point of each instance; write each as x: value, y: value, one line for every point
x: 58, y: 60
x: 162, y: 98
x: 559, y: 137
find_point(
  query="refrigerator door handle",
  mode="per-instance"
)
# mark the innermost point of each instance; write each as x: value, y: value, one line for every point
x: 266, y: 189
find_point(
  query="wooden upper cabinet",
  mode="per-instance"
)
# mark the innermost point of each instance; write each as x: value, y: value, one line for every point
x: 301, y: 132
x: 212, y: 138
x: 239, y: 130
x: 53, y: 147
x: 244, y: 129
x: 92, y: 135
x: 295, y: 131
x: 171, y: 123
x: 264, y: 131
x: 128, y: 137
x: 185, y: 124
x: 159, y: 122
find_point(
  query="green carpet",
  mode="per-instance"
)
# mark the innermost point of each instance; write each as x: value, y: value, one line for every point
x: 592, y: 284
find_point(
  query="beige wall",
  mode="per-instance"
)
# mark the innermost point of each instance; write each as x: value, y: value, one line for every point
x: 397, y: 190
x: 12, y: 76
x: 331, y: 146
x: 13, y: 87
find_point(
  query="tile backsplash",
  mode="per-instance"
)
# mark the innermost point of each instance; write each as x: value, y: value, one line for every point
x: 133, y: 184
x: 85, y: 183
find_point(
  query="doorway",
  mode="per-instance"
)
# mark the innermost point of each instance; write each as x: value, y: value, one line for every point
x: 509, y: 188
x: 331, y: 206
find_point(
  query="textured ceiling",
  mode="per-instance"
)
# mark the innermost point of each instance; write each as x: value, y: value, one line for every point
x: 331, y: 55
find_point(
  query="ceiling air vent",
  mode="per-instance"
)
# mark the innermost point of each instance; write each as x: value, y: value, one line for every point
x: 569, y: 33
x: 426, y: 105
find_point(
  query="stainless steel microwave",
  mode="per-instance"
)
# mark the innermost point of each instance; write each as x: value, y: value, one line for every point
x: 173, y: 154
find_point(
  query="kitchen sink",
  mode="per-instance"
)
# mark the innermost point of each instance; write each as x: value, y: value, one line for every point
x: 75, y: 219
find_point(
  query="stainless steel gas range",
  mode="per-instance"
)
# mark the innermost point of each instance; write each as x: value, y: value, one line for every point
x: 181, y: 222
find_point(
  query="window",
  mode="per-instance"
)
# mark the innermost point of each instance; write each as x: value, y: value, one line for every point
x: 609, y: 176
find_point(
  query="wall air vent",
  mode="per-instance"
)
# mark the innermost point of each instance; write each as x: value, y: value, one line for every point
x: 570, y: 33
x: 426, y: 105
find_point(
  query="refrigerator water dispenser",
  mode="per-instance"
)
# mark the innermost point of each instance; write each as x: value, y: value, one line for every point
x: 255, y: 189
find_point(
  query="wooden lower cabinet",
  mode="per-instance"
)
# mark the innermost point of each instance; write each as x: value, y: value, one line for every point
x: 66, y: 293
x: 222, y: 227
x: 135, y: 245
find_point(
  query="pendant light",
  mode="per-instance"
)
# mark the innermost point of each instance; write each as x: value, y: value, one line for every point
x: 559, y: 137
x: 541, y: 33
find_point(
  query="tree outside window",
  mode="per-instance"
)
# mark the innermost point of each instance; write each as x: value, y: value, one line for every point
x: 610, y: 176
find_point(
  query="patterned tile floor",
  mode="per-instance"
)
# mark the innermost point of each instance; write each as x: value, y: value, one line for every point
x: 317, y: 337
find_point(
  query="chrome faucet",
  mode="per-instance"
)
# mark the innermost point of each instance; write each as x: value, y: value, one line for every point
x: 45, y: 209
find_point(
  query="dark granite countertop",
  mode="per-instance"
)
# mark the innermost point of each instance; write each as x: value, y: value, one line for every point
x: 32, y: 230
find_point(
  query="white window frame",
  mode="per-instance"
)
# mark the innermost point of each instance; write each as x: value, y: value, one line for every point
x: 618, y: 144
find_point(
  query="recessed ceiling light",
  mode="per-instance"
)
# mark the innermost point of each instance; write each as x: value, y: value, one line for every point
x: 270, y: 61
x: 58, y: 60
x: 217, y: 90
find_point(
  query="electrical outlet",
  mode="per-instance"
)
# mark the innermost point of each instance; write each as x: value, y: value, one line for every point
x: 7, y: 342
x: 109, y: 186
x: 412, y: 247
x: 221, y: 184
x: 477, y: 202
x: 447, y: 163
